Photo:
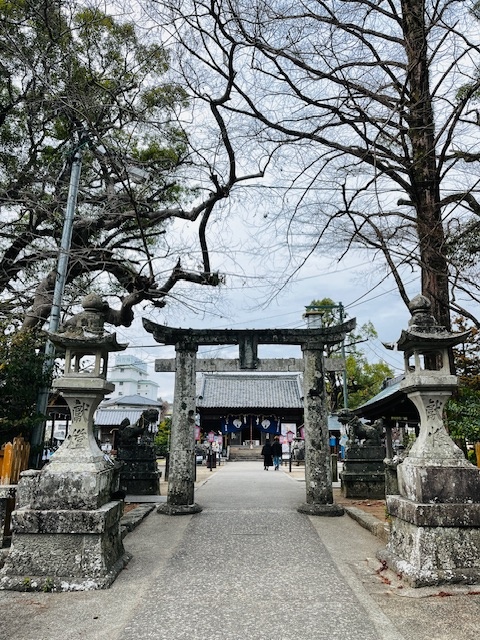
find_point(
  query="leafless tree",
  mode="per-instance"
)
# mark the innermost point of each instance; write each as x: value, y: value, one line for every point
x: 74, y: 76
x: 372, y: 100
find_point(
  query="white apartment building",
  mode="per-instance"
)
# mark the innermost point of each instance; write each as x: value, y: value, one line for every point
x: 130, y: 377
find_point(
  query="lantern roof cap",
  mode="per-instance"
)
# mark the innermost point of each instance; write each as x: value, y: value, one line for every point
x: 423, y: 333
x: 87, y: 328
x: 106, y: 342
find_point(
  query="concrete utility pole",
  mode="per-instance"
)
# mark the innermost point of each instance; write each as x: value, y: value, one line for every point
x: 38, y: 432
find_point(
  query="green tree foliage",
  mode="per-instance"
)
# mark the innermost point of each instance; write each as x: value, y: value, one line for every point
x: 363, y: 379
x: 463, y: 415
x: 463, y: 409
x: 21, y: 377
x: 467, y: 355
x: 162, y: 439
x: 76, y: 76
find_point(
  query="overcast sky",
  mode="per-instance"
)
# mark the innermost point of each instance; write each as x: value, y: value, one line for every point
x: 260, y: 235
x: 247, y: 300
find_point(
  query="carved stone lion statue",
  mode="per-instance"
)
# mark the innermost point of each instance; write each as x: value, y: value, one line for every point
x: 128, y: 434
x: 358, y: 431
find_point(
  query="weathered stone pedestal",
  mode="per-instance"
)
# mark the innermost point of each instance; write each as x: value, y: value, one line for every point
x: 61, y: 549
x: 435, y: 530
x: 435, y: 533
x: 363, y: 474
x: 65, y: 527
x: 139, y: 475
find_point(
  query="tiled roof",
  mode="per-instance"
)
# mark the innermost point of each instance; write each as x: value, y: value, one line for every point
x: 133, y: 401
x: 112, y: 412
x: 113, y: 417
x: 391, y: 388
x: 237, y: 391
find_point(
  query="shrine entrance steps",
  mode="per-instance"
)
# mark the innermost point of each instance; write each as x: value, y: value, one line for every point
x: 239, y: 453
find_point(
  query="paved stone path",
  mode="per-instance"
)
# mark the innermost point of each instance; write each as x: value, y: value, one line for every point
x: 250, y: 566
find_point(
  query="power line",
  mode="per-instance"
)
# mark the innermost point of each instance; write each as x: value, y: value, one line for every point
x: 390, y: 363
x: 354, y: 303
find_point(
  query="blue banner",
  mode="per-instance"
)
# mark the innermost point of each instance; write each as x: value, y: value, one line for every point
x: 270, y: 425
x: 232, y: 424
x: 267, y: 424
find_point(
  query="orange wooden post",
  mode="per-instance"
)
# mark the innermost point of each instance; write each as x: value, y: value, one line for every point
x: 16, y: 450
x: 7, y: 463
x: 477, y: 453
x: 21, y: 450
x: 13, y: 460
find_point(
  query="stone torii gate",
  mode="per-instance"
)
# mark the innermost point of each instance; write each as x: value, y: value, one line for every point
x: 318, y: 475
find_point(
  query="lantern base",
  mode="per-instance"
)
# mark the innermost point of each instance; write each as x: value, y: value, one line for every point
x: 64, y: 550
x: 433, y: 544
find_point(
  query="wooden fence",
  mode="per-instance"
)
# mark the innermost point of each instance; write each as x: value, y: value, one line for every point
x: 477, y: 453
x: 13, y: 460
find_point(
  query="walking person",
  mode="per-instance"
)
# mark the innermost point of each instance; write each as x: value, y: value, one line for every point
x: 277, y: 452
x: 267, y: 455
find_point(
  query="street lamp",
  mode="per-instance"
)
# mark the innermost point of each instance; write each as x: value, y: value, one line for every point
x: 211, y: 462
x: 290, y: 436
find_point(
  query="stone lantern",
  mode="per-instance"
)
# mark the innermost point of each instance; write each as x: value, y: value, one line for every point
x: 66, y: 526
x: 435, y: 531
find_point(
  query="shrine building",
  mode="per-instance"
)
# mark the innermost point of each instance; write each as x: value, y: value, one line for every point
x: 247, y: 408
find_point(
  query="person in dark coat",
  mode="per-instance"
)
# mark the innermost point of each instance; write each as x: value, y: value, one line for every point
x: 277, y: 452
x: 267, y: 455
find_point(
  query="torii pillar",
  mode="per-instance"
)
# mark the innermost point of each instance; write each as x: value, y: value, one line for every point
x: 318, y: 469
x: 181, y: 478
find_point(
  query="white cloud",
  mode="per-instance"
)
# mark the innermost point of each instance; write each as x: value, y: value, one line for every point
x: 353, y: 283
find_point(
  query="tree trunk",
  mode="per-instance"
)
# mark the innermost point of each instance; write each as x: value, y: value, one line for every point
x: 424, y: 174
